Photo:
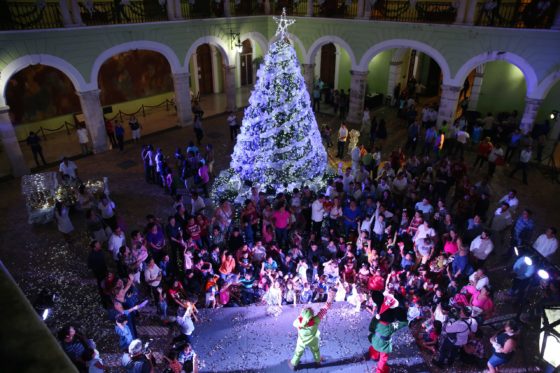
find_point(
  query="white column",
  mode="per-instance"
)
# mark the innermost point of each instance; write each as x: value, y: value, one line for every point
x: 360, y: 10
x: 65, y: 13
x: 230, y: 87
x: 475, y: 89
x: 227, y: 12
x: 310, y: 8
x: 10, y: 144
x: 183, y: 98
x: 170, y: 7
x: 448, y: 104
x: 529, y: 114
x: 95, y: 122
x: 196, y: 74
x: 178, y: 11
x: 471, y: 10
x: 357, y: 95
x: 461, y: 10
x: 266, y: 7
x: 309, y: 75
x: 556, y: 22
x: 76, y: 14
x: 367, y: 9
x: 394, y: 77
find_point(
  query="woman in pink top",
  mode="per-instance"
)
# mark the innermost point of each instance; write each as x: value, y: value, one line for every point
x: 481, y: 299
x: 281, y: 219
x: 452, y: 242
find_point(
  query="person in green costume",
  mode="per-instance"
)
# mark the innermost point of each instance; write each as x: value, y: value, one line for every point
x: 307, y: 325
x: 388, y: 319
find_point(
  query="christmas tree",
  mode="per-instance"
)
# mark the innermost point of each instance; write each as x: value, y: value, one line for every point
x: 279, y: 145
x: 279, y: 141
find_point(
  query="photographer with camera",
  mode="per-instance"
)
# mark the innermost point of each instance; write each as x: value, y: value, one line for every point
x: 456, y: 335
x: 138, y: 359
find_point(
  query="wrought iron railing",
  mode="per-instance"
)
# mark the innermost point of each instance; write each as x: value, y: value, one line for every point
x: 246, y: 8
x: 29, y: 15
x: 107, y: 13
x: 19, y: 15
x: 519, y: 14
x: 422, y: 11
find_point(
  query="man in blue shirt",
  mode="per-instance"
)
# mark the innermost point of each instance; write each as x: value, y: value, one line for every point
x: 123, y: 331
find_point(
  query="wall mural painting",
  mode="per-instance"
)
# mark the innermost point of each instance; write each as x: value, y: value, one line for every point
x: 132, y: 75
x: 39, y: 92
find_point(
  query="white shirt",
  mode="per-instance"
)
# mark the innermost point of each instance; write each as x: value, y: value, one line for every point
x: 481, y: 248
x: 115, y: 244
x: 462, y: 137
x: 151, y: 274
x: 495, y: 153
x: 525, y: 156
x: 69, y: 170
x: 482, y: 282
x: 317, y: 211
x: 82, y: 135
x: 501, y: 220
x: 197, y: 205
x: 546, y: 246
x: 106, y: 210
x: 512, y: 202
x: 423, y: 232
x: 232, y: 120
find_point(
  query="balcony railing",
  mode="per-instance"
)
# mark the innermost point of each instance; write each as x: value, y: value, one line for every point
x: 20, y: 15
x: 404, y: 11
x: 115, y: 12
x: 29, y: 15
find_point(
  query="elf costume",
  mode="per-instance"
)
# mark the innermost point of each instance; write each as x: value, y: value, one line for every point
x: 307, y: 325
x: 389, y: 319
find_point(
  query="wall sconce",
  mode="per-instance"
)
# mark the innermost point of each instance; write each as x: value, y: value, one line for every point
x: 235, y: 42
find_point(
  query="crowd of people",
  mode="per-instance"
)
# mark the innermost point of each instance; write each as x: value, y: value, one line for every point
x: 417, y: 225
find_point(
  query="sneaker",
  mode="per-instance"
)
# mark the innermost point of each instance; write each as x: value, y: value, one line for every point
x: 291, y: 366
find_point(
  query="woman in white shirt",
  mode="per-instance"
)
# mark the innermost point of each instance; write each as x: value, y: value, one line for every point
x: 335, y: 214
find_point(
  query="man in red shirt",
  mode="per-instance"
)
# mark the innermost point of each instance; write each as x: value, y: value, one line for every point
x: 484, y: 149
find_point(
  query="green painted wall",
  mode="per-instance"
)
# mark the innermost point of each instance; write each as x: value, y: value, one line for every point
x: 551, y: 102
x: 344, y: 67
x: 378, y: 76
x: 22, y: 131
x: 503, y: 88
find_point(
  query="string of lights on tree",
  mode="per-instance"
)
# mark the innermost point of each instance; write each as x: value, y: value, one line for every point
x: 280, y: 144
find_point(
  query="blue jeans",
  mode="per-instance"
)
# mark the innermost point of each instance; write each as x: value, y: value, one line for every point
x: 282, y: 236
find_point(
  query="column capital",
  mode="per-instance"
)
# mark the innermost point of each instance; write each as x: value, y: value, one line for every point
x: 181, y: 75
x: 229, y: 67
x: 451, y: 88
x: 359, y: 74
x: 395, y: 63
x: 4, y: 109
x: 533, y: 101
x: 308, y: 65
x: 91, y: 93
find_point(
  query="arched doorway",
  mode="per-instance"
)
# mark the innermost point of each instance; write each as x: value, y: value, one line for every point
x: 246, y: 63
x: 328, y: 64
x: 205, y: 69
x: 30, y: 94
x: 137, y: 82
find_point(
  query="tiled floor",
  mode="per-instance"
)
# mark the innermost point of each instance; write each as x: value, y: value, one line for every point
x: 38, y: 258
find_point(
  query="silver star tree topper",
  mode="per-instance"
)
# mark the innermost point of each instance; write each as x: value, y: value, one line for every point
x: 283, y: 23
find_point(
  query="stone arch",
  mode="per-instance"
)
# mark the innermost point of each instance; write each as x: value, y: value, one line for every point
x: 541, y: 91
x: 211, y: 40
x: 40, y: 59
x: 407, y: 43
x: 257, y: 38
x: 316, y: 46
x: 163, y: 49
x: 519, y: 62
